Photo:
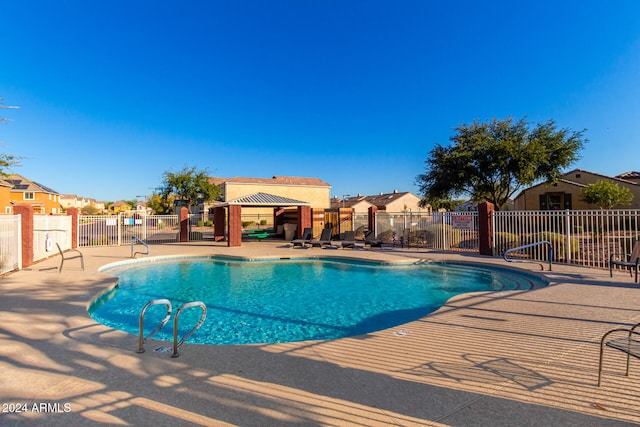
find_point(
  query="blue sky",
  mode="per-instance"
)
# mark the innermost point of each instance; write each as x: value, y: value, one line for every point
x: 112, y: 94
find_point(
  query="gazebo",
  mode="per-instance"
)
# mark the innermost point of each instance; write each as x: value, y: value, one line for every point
x: 233, y: 208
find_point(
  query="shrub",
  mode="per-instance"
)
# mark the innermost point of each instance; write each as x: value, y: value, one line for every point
x: 434, y: 232
x: 557, y: 243
x: 99, y: 241
x: 208, y: 223
x: 506, y: 241
x: 246, y: 224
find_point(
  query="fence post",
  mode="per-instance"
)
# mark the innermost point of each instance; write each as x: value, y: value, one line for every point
x: 567, y: 229
x: 184, y: 224
x: 235, y: 226
x: 219, y: 222
x: 371, y: 220
x: 485, y: 229
x: 119, y: 228
x: 73, y: 213
x: 26, y: 214
x: 444, y: 232
x: 304, y: 219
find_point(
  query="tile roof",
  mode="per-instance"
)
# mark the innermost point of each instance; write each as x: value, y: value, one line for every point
x: 21, y: 183
x: 629, y: 175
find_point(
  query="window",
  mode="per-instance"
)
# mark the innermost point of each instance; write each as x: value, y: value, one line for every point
x: 7, y: 209
x: 28, y: 195
x: 555, y: 201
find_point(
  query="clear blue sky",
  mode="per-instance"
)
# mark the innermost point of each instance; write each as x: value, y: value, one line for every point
x: 114, y: 93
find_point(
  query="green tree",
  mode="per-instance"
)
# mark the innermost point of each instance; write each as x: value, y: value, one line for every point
x: 606, y: 194
x: 89, y: 210
x: 6, y: 160
x: 491, y: 161
x: 187, y: 187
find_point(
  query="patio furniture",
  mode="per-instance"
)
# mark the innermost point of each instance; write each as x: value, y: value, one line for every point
x: 632, y: 262
x: 307, y: 234
x: 68, y: 255
x: 404, y: 239
x: 349, y: 240
x: 324, y: 240
x: 369, y: 239
x: 628, y: 342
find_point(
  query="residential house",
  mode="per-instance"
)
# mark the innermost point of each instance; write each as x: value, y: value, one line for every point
x: 359, y: 204
x: 143, y: 209
x: 5, y: 197
x: 73, y: 201
x: 119, y: 206
x: 25, y: 191
x: 397, y: 202
x: 566, y: 193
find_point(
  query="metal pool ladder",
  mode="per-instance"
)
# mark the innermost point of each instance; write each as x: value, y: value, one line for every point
x: 543, y: 242
x: 142, y: 339
x: 135, y: 240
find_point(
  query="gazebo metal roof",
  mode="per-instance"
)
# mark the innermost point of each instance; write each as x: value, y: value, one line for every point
x: 265, y: 200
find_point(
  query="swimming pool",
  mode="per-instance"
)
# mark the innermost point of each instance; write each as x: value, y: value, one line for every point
x: 289, y: 300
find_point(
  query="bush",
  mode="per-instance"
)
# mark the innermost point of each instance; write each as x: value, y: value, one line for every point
x: 434, y: 232
x: 263, y: 222
x: 208, y: 223
x: 506, y: 241
x: 99, y: 241
x: 557, y: 243
x: 246, y: 224
x: 386, y: 236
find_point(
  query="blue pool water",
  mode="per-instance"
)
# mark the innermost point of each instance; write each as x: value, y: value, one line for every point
x: 273, y: 301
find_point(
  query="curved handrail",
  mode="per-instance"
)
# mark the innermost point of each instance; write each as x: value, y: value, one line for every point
x: 177, y: 344
x: 135, y: 240
x: 141, y: 337
x: 542, y: 242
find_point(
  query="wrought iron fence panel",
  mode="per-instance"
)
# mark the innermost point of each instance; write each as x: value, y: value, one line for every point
x: 582, y: 237
x: 450, y: 231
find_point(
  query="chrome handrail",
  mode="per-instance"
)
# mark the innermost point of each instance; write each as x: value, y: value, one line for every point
x: 543, y: 242
x: 141, y: 337
x: 135, y: 240
x: 177, y: 344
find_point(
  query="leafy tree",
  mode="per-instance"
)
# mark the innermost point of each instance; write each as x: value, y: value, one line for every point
x: 187, y: 187
x: 606, y: 194
x: 6, y: 160
x: 491, y: 161
x: 159, y: 206
x: 448, y: 205
x: 89, y: 210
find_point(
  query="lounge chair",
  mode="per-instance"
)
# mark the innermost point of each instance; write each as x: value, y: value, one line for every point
x: 349, y: 240
x: 67, y: 256
x: 404, y: 239
x: 632, y: 262
x: 324, y: 240
x: 307, y: 235
x: 369, y: 239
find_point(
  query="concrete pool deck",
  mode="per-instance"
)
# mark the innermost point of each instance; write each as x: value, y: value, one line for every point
x: 484, y: 359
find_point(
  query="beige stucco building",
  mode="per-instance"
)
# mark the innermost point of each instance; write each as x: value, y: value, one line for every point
x: 567, y: 192
x: 313, y: 191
